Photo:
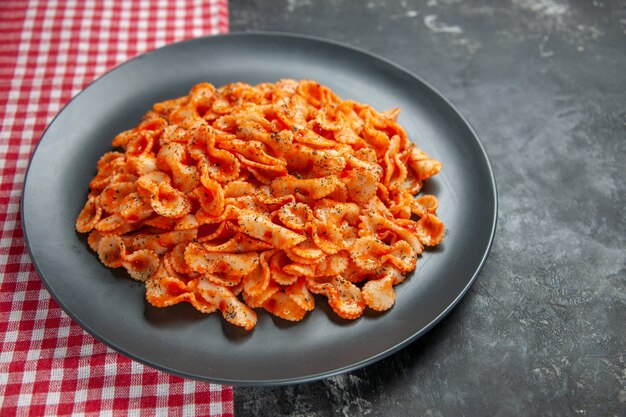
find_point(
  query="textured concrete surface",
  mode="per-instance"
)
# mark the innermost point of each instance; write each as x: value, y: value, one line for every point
x: 543, y: 330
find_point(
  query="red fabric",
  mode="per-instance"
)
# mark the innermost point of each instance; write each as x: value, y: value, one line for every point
x: 49, y: 51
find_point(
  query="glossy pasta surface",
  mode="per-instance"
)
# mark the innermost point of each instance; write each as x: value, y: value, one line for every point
x: 246, y: 198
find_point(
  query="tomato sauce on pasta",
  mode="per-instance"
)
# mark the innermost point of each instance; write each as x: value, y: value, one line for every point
x: 257, y: 197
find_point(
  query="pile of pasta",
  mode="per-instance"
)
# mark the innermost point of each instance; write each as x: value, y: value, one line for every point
x: 246, y: 197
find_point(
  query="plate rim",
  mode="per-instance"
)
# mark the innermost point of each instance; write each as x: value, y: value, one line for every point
x: 293, y: 380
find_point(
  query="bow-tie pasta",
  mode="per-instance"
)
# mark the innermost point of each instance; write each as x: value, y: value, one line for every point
x: 257, y: 197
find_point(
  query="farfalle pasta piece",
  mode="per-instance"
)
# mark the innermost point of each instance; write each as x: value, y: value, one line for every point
x: 300, y: 294
x: 306, y: 250
x: 111, y: 250
x: 233, y: 310
x: 141, y: 264
x: 165, y: 290
x: 278, y: 264
x: 332, y: 265
x: 430, y: 230
x: 327, y: 236
x: 374, y: 224
x: 423, y: 166
x: 279, y: 142
x: 200, y: 99
x: 296, y: 216
x: 284, y: 306
x: 379, y: 294
x: 257, y: 281
x: 113, y: 195
x: 428, y: 203
x: 158, y: 242
x: 89, y: 216
x: 361, y: 184
x: 211, y: 199
x: 111, y: 168
x: 344, y: 297
x: 298, y: 269
x: 176, y: 258
x: 142, y: 164
x: 106, y: 160
x: 167, y: 201
x: 134, y: 208
x: 261, y: 227
x: 254, y: 154
x: 316, y: 94
x: 311, y: 162
x: 110, y: 223
x: 170, y: 158
x: 312, y: 188
x: 217, y: 164
x: 370, y: 254
x: 204, y: 262
x: 257, y: 300
x: 229, y: 213
x: 395, y: 168
x: 148, y: 183
x: 258, y: 197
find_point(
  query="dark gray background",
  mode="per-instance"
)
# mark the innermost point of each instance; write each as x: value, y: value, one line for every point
x: 543, y: 329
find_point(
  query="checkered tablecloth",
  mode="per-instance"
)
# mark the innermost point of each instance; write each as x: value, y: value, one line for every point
x: 49, y: 51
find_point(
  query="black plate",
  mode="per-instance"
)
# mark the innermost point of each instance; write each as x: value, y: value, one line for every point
x: 111, y: 307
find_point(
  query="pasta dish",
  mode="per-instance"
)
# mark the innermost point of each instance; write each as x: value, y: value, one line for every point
x: 242, y: 198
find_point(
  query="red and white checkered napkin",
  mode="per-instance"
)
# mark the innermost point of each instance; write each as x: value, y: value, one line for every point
x: 49, y: 51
